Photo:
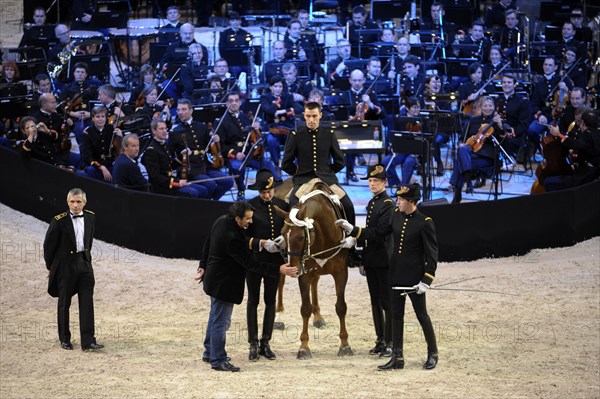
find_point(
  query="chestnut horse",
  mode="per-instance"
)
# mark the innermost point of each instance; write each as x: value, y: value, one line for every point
x: 313, y: 244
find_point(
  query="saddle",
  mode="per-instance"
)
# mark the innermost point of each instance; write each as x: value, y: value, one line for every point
x: 334, y: 194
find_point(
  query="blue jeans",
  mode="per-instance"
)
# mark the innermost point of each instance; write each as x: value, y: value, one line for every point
x: 219, y: 321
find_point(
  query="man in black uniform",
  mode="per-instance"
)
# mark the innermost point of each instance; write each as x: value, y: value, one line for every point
x: 313, y: 152
x: 266, y: 224
x: 169, y: 32
x: 337, y: 68
x: 236, y: 144
x: 98, y: 148
x: 273, y: 67
x: 412, y: 266
x: 362, y: 33
x: 67, y: 254
x: 515, y: 112
x: 87, y: 89
x: 40, y: 142
x: 234, y: 42
x: 225, y: 260
x: 376, y: 243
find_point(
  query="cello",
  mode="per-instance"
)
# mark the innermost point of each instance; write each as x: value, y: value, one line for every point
x: 555, y: 162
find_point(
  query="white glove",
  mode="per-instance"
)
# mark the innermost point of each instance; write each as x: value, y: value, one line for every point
x: 348, y: 242
x: 344, y: 224
x: 280, y: 242
x: 271, y: 246
x: 421, y: 288
x: 186, y: 151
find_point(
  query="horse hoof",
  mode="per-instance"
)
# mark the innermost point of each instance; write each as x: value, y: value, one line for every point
x: 345, y: 351
x: 319, y: 323
x: 304, y: 354
x: 279, y: 325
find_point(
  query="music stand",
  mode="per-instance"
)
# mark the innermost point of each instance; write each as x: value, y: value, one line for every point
x: 238, y: 55
x: 28, y: 69
x: 351, y: 65
x: 458, y: 66
x: 411, y: 143
x: 13, y: 106
x: 98, y: 64
x: 386, y: 10
x: 108, y: 19
x: 208, y: 113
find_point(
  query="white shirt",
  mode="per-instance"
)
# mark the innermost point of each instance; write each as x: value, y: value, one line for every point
x: 79, y: 227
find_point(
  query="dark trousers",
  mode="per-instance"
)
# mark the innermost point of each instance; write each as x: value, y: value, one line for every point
x: 379, y: 291
x: 76, y: 278
x: 398, y: 302
x: 253, y: 280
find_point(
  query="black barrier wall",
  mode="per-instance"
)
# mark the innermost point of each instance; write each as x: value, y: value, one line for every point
x: 175, y: 227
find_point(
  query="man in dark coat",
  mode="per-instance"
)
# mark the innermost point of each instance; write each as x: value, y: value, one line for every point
x: 126, y: 172
x: 413, y: 262
x: 225, y: 261
x: 67, y: 253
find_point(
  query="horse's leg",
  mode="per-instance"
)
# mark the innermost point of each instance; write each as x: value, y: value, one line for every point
x: 341, y: 278
x: 316, y: 309
x: 305, y: 311
x: 278, y: 324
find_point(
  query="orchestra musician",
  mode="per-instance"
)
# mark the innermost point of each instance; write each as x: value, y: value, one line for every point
x: 84, y: 88
x: 100, y: 146
x: 408, y: 162
x: 438, y: 14
x: 359, y: 40
x: 193, y: 137
x: 364, y: 105
x: 568, y: 40
x: 83, y: 11
x: 510, y: 35
x: 515, y: 112
x: 412, y: 81
x: 403, y: 52
x: 542, y: 99
x: 433, y: 86
x: 221, y: 70
x: 169, y: 32
x: 233, y: 42
x: 236, y: 144
x: 477, y: 38
x: 467, y: 90
x: 278, y: 109
x: 159, y: 163
x: 40, y: 142
x: 193, y: 71
x: 577, y: 98
x: 495, y: 16
x: 337, y: 68
x: 126, y: 172
x: 382, y: 85
x: 587, y: 146
x: 148, y: 74
x: 469, y: 161
x: 41, y: 85
x: 570, y: 67
x: 273, y: 67
x: 298, y: 47
x: 299, y: 89
x: 496, y: 62
x: 153, y: 107
x: 216, y: 92
x: 107, y: 97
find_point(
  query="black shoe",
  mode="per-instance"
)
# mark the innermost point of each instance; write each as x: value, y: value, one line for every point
x: 253, y: 355
x: 479, y: 182
x: 432, y: 361
x: 361, y: 160
x: 93, y: 346
x: 352, y: 177
x: 457, y: 196
x: 241, y: 196
x: 376, y: 350
x: 265, y: 350
x: 386, y: 352
x: 207, y: 359
x: 226, y: 367
x: 396, y: 362
x: 66, y: 345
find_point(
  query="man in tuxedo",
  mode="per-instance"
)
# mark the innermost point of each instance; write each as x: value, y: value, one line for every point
x: 67, y: 253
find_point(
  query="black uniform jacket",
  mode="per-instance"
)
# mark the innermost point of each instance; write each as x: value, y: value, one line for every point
x: 266, y: 224
x: 127, y: 174
x: 158, y: 162
x: 226, y: 258
x: 60, y: 247
x: 309, y: 154
x: 375, y: 237
x: 414, y: 254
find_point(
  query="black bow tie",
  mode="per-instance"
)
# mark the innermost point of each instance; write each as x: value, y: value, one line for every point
x: 76, y: 216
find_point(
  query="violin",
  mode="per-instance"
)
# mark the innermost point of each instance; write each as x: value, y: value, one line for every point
x: 362, y: 107
x: 471, y: 107
x: 414, y: 127
x: 477, y: 140
x: 254, y: 136
x: 213, y: 149
x: 117, y: 140
x: 555, y: 163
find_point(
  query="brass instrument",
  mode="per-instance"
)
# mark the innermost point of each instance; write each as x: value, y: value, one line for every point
x: 523, y: 49
x: 64, y: 57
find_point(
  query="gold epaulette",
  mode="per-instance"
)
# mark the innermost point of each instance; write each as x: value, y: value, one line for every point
x: 428, y: 218
x: 397, y: 210
x: 294, y: 132
x: 88, y: 211
x: 62, y: 215
x: 430, y: 276
x: 389, y: 199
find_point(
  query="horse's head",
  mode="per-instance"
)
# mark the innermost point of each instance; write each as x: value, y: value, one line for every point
x: 298, y: 231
